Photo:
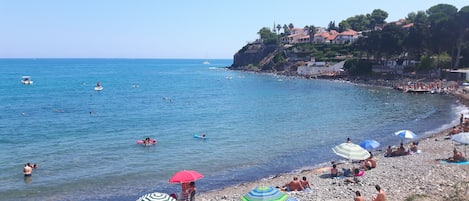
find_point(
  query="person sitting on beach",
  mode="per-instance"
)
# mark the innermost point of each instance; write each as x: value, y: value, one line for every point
x: 381, y: 196
x: 401, y: 150
x: 356, y: 173
x: 369, y: 163
x: 358, y: 196
x: 454, y: 131
x: 457, y: 157
x: 305, y: 183
x: 388, y: 151
x: 190, y: 191
x: 294, y: 185
x: 413, y: 147
x: 334, y: 171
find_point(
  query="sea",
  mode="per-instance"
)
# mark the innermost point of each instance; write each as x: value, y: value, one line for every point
x: 257, y: 125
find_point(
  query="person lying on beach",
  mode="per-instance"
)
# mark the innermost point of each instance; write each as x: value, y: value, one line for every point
x: 457, y: 157
x: 293, y: 185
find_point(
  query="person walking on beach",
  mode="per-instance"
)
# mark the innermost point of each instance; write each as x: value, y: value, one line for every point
x: 381, y: 196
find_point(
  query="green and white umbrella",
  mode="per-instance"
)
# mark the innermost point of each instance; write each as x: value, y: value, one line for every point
x: 351, y: 151
x: 156, y: 197
x: 264, y: 193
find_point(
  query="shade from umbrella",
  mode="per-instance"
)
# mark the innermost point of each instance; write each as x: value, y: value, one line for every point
x: 156, y: 197
x: 351, y: 151
x: 185, y: 176
x: 462, y: 138
x: 405, y: 134
x: 369, y: 144
x: 264, y: 193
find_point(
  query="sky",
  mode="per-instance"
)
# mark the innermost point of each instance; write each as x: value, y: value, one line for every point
x: 202, y: 29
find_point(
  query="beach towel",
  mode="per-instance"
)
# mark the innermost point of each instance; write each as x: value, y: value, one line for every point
x: 456, y: 163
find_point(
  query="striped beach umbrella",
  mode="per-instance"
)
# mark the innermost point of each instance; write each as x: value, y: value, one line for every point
x: 405, y: 134
x: 156, y: 196
x: 351, y: 151
x: 264, y: 193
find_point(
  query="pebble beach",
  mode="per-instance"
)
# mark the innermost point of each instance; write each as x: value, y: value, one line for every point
x: 419, y: 177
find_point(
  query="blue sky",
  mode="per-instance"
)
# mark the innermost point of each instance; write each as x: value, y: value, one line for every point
x: 166, y: 28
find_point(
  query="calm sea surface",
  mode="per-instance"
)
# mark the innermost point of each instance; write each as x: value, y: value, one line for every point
x: 257, y: 125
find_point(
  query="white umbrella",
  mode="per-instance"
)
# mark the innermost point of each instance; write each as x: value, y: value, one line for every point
x: 462, y: 138
x: 351, y: 151
x: 156, y: 196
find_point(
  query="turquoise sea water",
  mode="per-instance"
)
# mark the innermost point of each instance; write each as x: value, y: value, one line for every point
x: 258, y: 125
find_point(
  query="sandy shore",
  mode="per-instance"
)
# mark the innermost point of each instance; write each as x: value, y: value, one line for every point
x: 417, y: 176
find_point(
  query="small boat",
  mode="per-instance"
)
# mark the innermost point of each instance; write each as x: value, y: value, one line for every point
x: 26, y: 80
x: 206, y: 62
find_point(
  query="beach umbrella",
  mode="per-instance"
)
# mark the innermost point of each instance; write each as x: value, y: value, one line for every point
x: 156, y: 196
x: 462, y: 138
x: 369, y: 144
x: 407, y: 134
x: 264, y: 193
x: 351, y: 151
x: 185, y: 176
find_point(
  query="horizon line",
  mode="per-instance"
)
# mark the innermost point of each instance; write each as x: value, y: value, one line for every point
x: 111, y: 58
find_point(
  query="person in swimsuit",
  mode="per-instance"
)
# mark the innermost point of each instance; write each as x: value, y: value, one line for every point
x: 27, y: 170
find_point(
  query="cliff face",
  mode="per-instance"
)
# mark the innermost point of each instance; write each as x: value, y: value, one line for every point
x: 253, y: 57
x: 259, y: 57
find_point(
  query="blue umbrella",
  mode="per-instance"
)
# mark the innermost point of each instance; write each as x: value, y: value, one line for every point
x: 369, y: 144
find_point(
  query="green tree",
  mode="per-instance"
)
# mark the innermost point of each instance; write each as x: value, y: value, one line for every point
x: 278, y: 28
x: 416, y: 42
x: 286, y: 30
x: 311, y: 31
x: 343, y: 26
x: 443, y: 22
x: 331, y: 26
x: 463, y: 30
x: 290, y: 26
x: 267, y: 36
x: 377, y: 17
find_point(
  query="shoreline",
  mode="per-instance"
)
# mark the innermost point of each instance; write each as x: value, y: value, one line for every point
x: 413, y: 177
x: 417, y: 175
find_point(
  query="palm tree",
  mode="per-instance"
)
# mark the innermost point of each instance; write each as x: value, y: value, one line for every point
x: 278, y: 28
x: 311, y: 31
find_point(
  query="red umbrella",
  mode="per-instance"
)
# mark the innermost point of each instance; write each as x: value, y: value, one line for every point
x: 185, y: 176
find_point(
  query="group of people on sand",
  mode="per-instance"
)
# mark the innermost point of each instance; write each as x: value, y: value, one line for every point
x: 297, y: 185
x: 401, y: 150
x: 380, y: 195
